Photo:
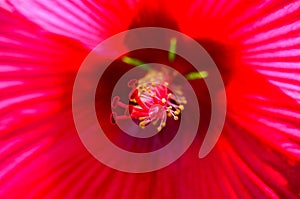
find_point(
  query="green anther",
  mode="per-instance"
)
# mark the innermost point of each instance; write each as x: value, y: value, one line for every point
x: 196, y: 75
x: 135, y: 62
x: 172, y: 49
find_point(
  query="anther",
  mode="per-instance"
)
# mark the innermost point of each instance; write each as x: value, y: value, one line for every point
x: 177, y: 112
x: 142, y: 124
x: 181, y: 107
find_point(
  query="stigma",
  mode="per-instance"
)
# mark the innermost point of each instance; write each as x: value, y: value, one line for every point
x: 152, y: 100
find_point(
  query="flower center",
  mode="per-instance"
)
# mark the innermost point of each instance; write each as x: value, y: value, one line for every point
x: 151, y: 100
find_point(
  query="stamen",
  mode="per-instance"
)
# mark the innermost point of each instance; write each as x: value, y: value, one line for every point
x: 116, y: 102
x: 151, y: 101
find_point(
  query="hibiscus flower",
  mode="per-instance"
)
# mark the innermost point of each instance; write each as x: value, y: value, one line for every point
x: 255, y: 45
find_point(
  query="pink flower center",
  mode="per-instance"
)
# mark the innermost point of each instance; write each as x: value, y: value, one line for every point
x: 151, y: 100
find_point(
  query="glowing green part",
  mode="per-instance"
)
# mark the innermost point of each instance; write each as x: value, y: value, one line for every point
x: 135, y: 62
x: 172, y: 49
x: 132, y: 61
x: 196, y: 75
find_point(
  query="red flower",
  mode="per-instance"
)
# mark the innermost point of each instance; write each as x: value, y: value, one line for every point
x: 255, y: 45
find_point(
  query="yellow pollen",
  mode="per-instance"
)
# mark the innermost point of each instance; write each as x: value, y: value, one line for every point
x: 142, y: 118
x: 166, y: 84
x: 181, y: 107
x: 163, y: 100
x: 132, y: 100
x: 142, y: 124
x: 175, y: 118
